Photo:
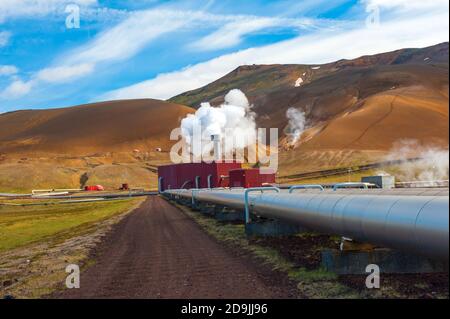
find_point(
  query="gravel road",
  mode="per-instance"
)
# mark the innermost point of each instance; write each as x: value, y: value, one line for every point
x: 159, y: 252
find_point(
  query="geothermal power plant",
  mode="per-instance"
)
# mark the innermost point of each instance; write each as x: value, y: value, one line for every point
x: 179, y: 198
x: 412, y: 222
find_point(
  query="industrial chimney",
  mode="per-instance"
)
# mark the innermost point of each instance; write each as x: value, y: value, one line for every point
x: 217, y: 147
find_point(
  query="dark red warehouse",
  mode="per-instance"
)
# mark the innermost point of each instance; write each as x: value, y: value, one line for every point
x: 250, y: 178
x: 195, y: 175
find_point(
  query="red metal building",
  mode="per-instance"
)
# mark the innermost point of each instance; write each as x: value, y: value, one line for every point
x: 250, y: 178
x: 96, y: 188
x: 195, y: 175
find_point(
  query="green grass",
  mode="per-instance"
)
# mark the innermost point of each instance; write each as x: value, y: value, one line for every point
x: 14, y: 190
x: 307, y: 276
x: 20, y: 226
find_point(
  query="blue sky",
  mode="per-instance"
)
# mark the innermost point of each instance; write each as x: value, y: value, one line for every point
x: 157, y: 49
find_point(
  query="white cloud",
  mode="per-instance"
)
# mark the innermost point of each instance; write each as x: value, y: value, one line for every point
x: 130, y: 36
x: 64, y: 73
x: 408, y: 4
x: 409, y: 31
x: 118, y: 43
x: 19, y: 88
x: 231, y: 33
x: 4, y: 38
x: 25, y: 8
x: 417, y: 29
x: 135, y: 33
x: 7, y: 70
x: 16, y: 89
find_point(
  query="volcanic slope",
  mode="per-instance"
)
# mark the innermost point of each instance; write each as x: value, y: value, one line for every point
x: 355, y: 110
x: 102, y: 127
x: 108, y: 143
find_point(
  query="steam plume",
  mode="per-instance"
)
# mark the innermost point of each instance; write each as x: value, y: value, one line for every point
x: 233, y: 119
x: 297, y: 125
x: 432, y: 164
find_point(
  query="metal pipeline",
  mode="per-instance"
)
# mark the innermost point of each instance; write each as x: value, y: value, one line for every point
x: 377, y: 191
x: 417, y: 224
x: 314, y: 186
x: 210, y: 181
x: 186, y: 183
x: 197, y: 181
x: 247, y: 198
x: 160, y: 184
x: 351, y: 185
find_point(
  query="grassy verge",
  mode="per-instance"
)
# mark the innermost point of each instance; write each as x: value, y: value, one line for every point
x: 316, y: 283
x: 43, y: 240
x: 20, y: 226
x: 14, y: 190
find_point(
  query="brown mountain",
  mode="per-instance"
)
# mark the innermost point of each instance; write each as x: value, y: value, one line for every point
x: 356, y: 110
x: 118, y: 126
x: 108, y: 143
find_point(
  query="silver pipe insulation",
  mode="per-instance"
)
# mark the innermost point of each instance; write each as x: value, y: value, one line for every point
x: 209, y: 181
x: 197, y: 182
x: 416, y: 224
x: 351, y: 184
x: 160, y: 184
x: 313, y: 186
x: 376, y: 191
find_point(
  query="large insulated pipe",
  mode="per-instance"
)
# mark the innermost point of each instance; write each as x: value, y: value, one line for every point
x: 351, y: 185
x: 197, y: 181
x: 210, y: 181
x: 378, y: 191
x: 247, y: 198
x: 417, y: 224
x: 160, y: 184
x: 313, y: 186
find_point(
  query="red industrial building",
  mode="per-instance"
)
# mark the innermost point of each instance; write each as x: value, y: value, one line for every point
x: 250, y: 178
x: 195, y: 175
x: 96, y: 188
x: 210, y: 175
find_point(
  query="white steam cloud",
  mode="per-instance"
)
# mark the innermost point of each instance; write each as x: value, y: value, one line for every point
x: 432, y: 164
x: 232, y: 121
x: 297, y: 125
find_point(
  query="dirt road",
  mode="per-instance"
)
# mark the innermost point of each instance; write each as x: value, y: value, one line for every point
x: 159, y: 252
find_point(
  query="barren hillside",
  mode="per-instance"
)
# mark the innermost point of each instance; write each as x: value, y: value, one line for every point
x: 108, y: 143
x: 118, y: 126
x: 355, y: 110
